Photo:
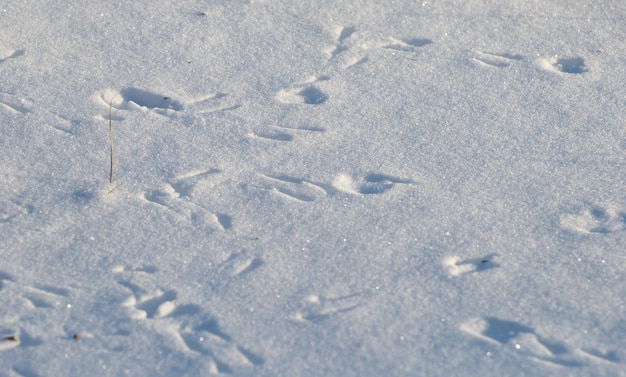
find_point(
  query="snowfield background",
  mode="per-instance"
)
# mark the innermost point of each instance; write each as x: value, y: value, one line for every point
x: 328, y: 188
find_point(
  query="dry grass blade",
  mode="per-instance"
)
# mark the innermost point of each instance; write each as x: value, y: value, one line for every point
x: 111, y: 136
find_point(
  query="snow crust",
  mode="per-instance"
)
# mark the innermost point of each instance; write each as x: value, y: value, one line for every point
x: 323, y: 188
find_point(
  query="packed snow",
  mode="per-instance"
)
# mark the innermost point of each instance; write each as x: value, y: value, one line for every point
x: 326, y: 188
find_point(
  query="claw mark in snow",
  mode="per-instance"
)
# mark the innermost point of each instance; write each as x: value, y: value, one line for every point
x: 343, y: 34
x: 185, y: 183
x: 572, y: 65
x: 138, y: 99
x: 133, y: 97
x: 10, y: 211
x: 247, y: 265
x: 272, y: 135
x: 209, y: 340
x: 307, y: 191
x: 169, y: 199
x: 318, y: 308
x: 154, y: 305
x: 611, y: 356
x: 304, y: 128
x: 14, y: 105
x: 455, y: 266
x: 595, y: 219
x: 12, y: 55
x: 217, y: 102
x: 57, y: 291
x: 45, y: 296
x: 178, y: 197
x: 239, y: 264
x: 518, y: 338
x: 299, y: 189
x: 309, y: 95
x: 4, y: 277
x: 191, y: 329
x: 282, y: 133
x: 407, y: 44
x: 17, y: 339
x: 496, y: 59
x: 372, y: 183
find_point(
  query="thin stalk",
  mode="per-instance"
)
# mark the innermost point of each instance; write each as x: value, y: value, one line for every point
x: 111, y: 137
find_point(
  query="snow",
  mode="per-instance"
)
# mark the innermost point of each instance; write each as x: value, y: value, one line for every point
x: 312, y: 188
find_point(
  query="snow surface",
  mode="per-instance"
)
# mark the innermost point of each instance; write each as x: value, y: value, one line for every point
x: 313, y: 188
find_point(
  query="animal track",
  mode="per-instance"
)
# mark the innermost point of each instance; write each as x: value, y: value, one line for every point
x: 298, y: 189
x: 134, y: 99
x: 282, y: 133
x: 21, y: 304
x: 372, y: 183
x: 184, y: 208
x: 4, y: 277
x: 156, y: 304
x: 139, y: 99
x: 57, y: 291
x: 216, y: 103
x: 12, y: 54
x: 611, y: 356
x: 45, y: 296
x: 309, y: 95
x: 272, y: 135
x: 184, y: 184
x: 190, y: 112
x: 318, y: 308
x: 12, y: 339
x: 499, y: 60
x: 10, y: 210
x: 596, y: 219
x: 455, y: 266
x: 304, y: 128
x: 14, y: 105
x: 515, y: 337
x: 358, y: 46
x: 572, y: 65
x: 246, y: 266
x: 305, y: 190
x: 406, y: 44
x: 178, y: 197
x: 343, y: 34
x: 8, y: 340
x: 209, y: 340
x: 239, y: 264
x: 187, y: 325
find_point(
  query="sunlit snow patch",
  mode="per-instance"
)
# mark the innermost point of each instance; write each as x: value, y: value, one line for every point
x: 574, y: 64
x: 138, y: 99
x: 595, y: 220
x: 456, y: 266
x: 133, y: 97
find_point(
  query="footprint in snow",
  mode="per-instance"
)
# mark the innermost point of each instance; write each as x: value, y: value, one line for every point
x: 564, y: 64
x: 595, y: 219
x: 513, y: 337
x: 177, y: 196
x: 317, y: 308
x: 373, y: 183
x: 190, y: 329
x: 455, y: 266
x: 498, y: 60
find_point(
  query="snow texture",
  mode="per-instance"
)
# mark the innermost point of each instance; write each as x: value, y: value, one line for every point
x: 328, y: 188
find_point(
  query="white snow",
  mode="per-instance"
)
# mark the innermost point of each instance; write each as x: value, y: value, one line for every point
x: 328, y: 188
